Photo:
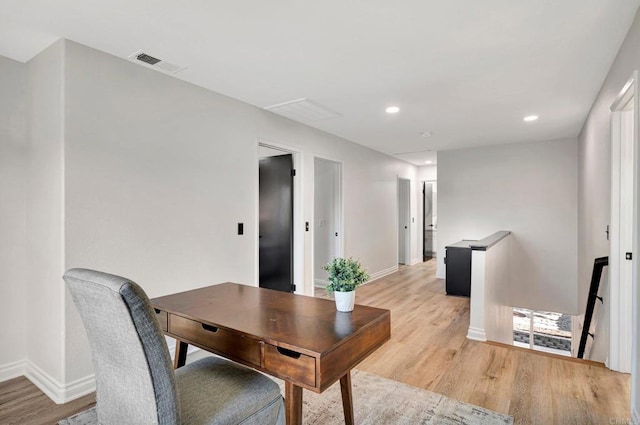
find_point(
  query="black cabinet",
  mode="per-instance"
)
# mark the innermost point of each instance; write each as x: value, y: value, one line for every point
x: 458, y: 262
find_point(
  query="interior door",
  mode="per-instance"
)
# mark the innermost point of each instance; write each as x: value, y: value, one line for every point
x: 404, y: 235
x: 327, y: 212
x: 626, y: 237
x: 428, y: 227
x: 276, y: 223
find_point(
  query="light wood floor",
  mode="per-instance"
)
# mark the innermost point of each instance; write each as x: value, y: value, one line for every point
x: 429, y: 349
x: 23, y: 403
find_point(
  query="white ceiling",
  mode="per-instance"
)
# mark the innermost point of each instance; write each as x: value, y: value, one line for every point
x: 466, y: 70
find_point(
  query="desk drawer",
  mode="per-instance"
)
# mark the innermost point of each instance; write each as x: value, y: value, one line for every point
x: 226, y: 343
x: 163, y: 319
x: 291, y: 364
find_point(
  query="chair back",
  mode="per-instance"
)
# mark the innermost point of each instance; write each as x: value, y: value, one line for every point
x: 135, y: 382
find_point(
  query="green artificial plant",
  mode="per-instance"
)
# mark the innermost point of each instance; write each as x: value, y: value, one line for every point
x: 345, y: 275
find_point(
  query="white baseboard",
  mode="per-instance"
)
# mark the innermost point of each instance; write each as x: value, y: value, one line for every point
x: 415, y: 261
x: 476, y: 334
x: 79, y: 387
x: 197, y: 354
x: 193, y: 353
x: 12, y: 370
x: 382, y: 273
x: 171, y: 344
x: 373, y: 276
x: 55, y: 390
x: 321, y: 283
x: 63, y: 393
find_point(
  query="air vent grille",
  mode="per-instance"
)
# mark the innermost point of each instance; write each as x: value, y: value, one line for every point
x: 147, y: 59
x: 304, y: 110
x: 155, y: 63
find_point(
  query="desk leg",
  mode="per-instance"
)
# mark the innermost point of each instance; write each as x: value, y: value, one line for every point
x: 181, y: 354
x: 347, y: 398
x: 293, y: 403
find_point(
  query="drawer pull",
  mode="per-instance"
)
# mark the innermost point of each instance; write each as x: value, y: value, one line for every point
x: 288, y: 353
x: 157, y: 310
x: 209, y: 328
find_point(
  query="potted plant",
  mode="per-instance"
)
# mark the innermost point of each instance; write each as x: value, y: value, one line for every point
x: 345, y: 275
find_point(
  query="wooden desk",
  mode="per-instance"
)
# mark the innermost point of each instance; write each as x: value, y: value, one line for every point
x: 302, y: 340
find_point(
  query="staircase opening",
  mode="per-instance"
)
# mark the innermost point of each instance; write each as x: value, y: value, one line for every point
x: 542, y: 331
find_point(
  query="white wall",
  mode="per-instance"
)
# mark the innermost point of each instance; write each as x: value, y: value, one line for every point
x: 13, y: 268
x: 158, y: 173
x: 594, y: 189
x: 529, y: 189
x: 427, y: 173
x: 45, y: 291
x: 498, y: 272
x: 490, y: 317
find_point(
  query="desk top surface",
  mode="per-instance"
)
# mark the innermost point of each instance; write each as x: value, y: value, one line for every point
x: 292, y: 321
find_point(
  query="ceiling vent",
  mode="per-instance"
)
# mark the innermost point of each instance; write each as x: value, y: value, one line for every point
x: 303, y: 110
x: 155, y: 63
x: 412, y: 152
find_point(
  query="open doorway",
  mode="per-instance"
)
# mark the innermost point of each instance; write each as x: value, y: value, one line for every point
x: 276, y: 206
x: 327, y: 216
x: 404, y: 221
x: 623, y: 229
x: 429, y: 219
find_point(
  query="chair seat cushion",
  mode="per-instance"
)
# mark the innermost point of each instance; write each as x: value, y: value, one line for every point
x: 216, y: 391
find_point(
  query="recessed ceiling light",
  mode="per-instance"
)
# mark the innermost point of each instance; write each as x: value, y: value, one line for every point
x: 392, y: 110
x: 428, y: 162
x: 531, y: 118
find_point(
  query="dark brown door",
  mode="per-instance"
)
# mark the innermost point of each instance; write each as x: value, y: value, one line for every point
x: 276, y: 223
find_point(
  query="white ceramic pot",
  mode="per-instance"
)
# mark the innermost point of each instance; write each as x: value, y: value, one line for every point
x: 345, y: 300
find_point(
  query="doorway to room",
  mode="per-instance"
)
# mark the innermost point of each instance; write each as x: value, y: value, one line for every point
x: 429, y: 219
x: 276, y: 219
x: 327, y: 216
x: 404, y: 221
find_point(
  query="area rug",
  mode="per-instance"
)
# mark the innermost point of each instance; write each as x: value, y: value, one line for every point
x: 376, y: 400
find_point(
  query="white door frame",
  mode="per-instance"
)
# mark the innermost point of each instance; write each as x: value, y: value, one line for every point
x: 622, y: 299
x: 339, y: 215
x: 407, y: 241
x: 298, y: 218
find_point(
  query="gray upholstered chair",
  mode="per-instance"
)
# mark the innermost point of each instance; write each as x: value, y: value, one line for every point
x: 136, y: 383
